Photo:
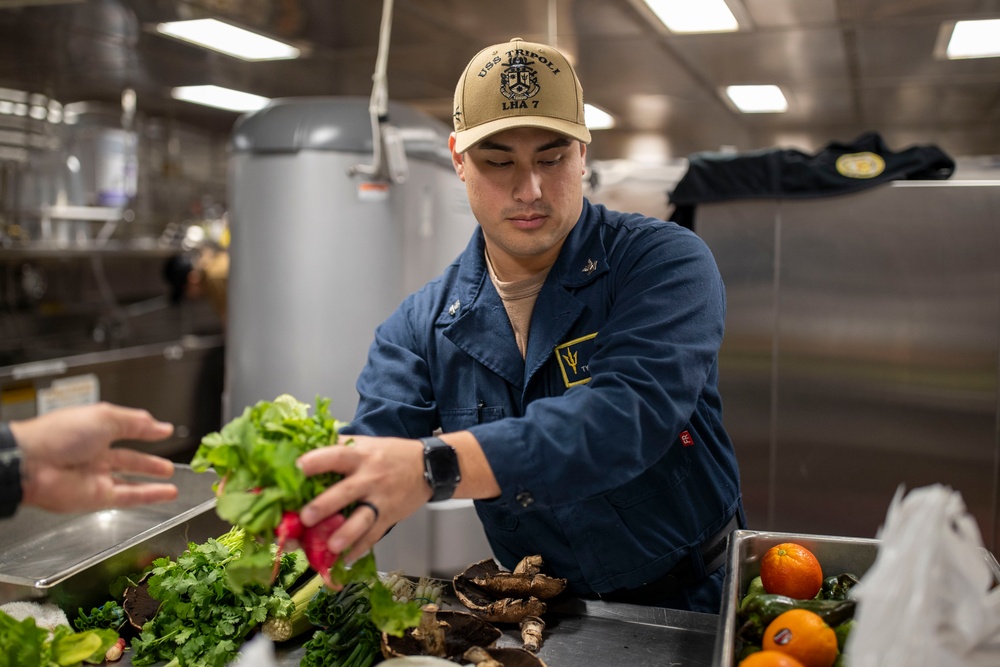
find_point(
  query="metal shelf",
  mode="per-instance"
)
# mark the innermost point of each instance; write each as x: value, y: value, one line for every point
x: 86, y: 249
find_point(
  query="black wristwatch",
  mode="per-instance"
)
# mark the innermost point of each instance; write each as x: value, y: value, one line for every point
x: 440, y: 468
x: 10, y: 472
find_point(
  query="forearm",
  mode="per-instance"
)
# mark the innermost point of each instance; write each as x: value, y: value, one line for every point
x: 29, y: 438
x: 478, y: 481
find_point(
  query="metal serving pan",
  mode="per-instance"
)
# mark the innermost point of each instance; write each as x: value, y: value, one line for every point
x: 591, y: 633
x: 747, y: 547
x: 584, y: 633
x: 70, y: 560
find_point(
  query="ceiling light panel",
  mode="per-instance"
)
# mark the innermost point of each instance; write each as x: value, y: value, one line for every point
x: 975, y: 39
x: 758, y: 98
x: 597, y: 119
x: 694, y: 16
x: 220, y: 98
x: 228, y: 39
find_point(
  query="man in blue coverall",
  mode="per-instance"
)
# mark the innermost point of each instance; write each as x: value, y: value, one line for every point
x: 567, y: 361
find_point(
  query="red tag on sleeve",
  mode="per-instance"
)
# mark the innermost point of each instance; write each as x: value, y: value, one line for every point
x: 686, y: 439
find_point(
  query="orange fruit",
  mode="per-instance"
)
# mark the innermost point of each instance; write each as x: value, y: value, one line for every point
x: 804, y: 635
x: 769, y: 659
x: 791, y: 569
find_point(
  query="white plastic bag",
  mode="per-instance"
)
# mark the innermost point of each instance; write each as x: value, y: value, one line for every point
x: 258, y: 652
x: 929, y: 599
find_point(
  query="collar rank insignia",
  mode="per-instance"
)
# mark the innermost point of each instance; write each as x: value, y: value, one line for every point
x: 454, y: 307
x: 590, y: 267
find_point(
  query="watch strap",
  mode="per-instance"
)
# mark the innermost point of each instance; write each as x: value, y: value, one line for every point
x: 441, y: 468
x: 11, y: 491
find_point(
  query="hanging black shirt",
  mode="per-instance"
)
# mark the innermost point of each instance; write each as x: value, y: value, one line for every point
x: 837, y: 169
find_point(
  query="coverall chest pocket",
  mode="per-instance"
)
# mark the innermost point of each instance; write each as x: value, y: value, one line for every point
x: 458, y: 419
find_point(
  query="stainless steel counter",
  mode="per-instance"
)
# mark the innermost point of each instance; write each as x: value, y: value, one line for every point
x: 95, y: 549
x: 592, y: 633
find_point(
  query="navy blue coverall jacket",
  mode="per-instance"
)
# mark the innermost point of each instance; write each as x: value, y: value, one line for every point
x: 607, y: 439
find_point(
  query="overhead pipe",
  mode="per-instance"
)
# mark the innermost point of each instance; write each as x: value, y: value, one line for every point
x: 388, y: 152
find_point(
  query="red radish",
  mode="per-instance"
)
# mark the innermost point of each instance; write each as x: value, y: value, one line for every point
x: 115, y: 652
x: 314, y: 539
x: 290, y: 528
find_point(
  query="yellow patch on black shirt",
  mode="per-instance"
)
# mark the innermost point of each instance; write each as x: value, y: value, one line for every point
x: 574, y: 359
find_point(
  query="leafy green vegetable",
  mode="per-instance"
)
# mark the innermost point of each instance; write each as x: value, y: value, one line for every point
x: 71, y: 648
x: 351, y: 620
x: 202, y: 620
x: 392, y: 617
x: 255, y: 457
x: 349, y: 638
x: 109, y: 616
x: 24, y: 644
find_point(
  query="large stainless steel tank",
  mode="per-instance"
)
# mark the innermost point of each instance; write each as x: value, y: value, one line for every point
x: 320, y: 257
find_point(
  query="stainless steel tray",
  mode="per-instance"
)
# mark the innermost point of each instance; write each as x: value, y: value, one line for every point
x: 747, y: 547
x: 587, y: 633
x: 71, y: 559
x: 593, y: 633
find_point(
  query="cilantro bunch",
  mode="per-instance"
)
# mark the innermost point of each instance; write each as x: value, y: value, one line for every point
x: 202, y: 620
x: 254, y: 455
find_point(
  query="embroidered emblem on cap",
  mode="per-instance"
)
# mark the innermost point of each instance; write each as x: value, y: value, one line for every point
x: 590, y: 267
x: 519, y: 80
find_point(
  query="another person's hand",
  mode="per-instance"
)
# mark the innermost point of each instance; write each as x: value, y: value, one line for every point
x: 68, y: 464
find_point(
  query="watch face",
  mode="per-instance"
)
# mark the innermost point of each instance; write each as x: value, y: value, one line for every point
x: 441, y: 468
x: 443, y: 464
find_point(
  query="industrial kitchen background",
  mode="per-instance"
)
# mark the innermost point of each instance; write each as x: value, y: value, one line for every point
x: 863, y: 337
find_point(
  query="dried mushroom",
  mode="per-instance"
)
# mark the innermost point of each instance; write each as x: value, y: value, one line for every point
x: 430, y: 632
x: 480, y: 657
x: 525, y: 581
x: 502, y: 657
x: 139, y: 606
x: 443, y: 634
x: 506, y: 597
x: 531, y: 633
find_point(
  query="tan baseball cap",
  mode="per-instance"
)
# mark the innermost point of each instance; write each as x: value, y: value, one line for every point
x: 518, y: 84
